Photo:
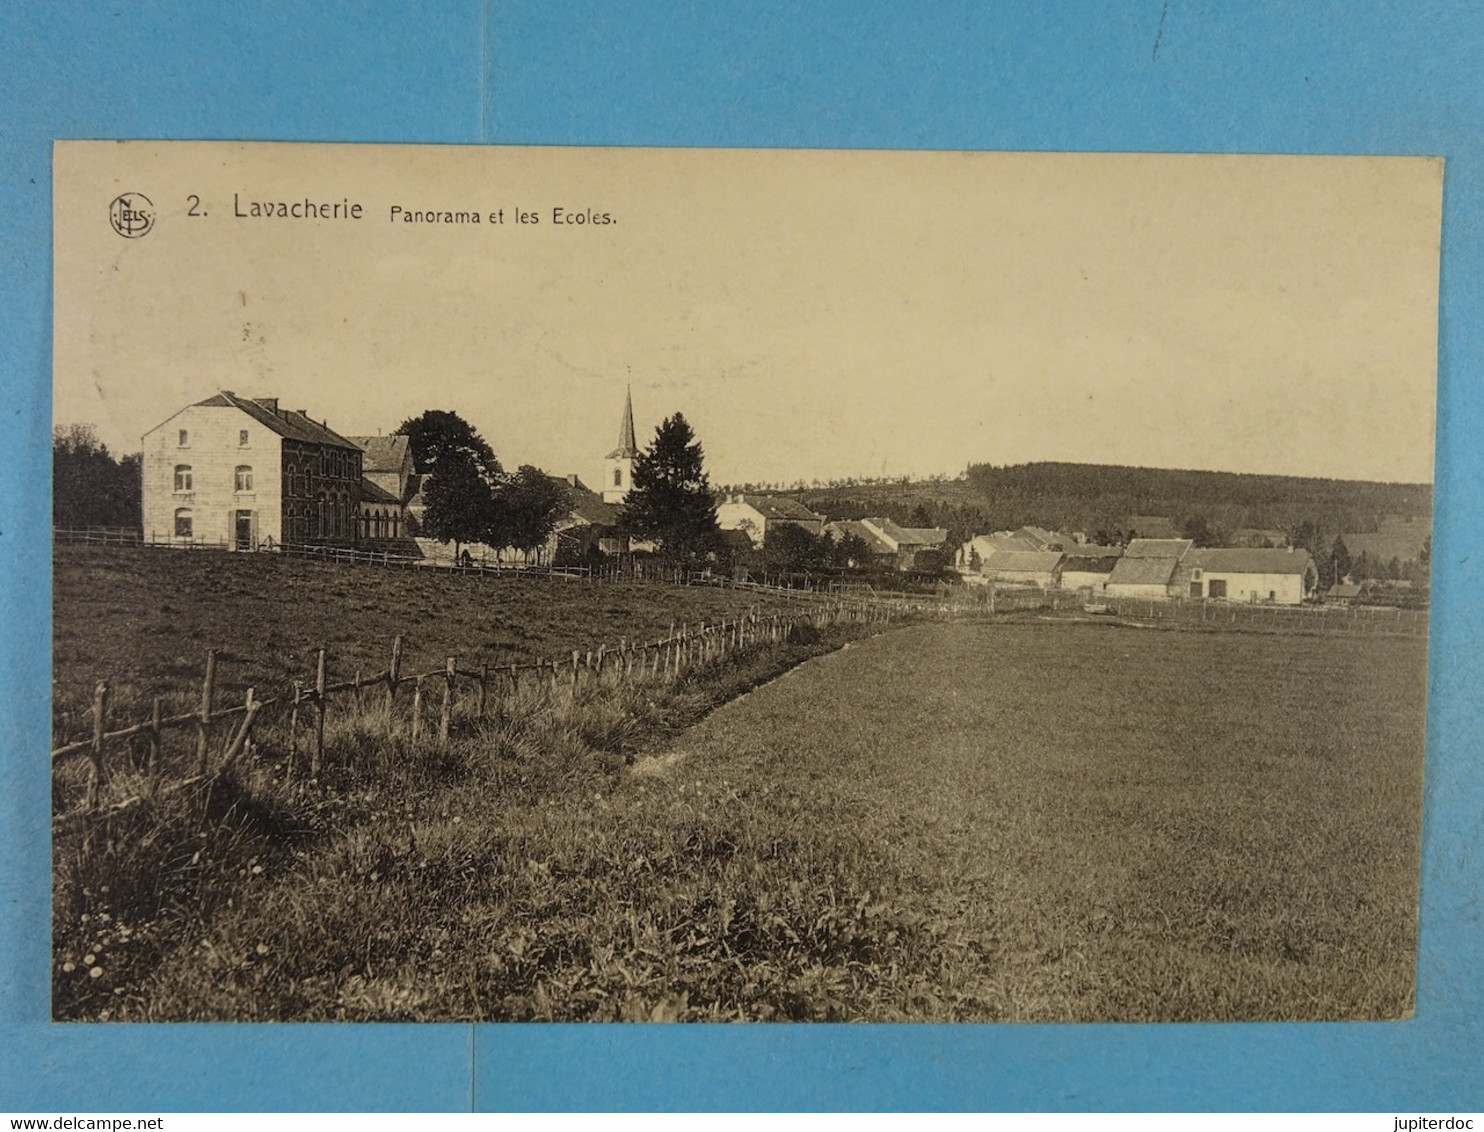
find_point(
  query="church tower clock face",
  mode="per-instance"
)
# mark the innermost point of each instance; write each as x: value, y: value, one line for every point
x: 619, y: 463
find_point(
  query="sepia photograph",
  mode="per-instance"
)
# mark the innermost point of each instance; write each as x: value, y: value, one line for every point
x: 596, y: 584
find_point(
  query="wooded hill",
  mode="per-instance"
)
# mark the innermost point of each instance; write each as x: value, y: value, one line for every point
x: 1107, y: 498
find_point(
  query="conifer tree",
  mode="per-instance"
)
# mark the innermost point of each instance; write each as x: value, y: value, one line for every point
x: 670, y: 503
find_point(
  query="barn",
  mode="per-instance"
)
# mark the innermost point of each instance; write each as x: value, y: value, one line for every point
x: 1266, y: 575
x: 1147, y: 568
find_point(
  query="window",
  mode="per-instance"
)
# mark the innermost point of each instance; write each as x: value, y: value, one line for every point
x: 618, y: 477
x: 242, y: 439
x: 185, y: 438
x: 244, y: 477
x: 1196, y: 573
x: 183, y: 522
x: 182, y: 477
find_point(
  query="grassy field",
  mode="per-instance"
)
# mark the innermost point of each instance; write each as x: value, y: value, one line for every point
x: 1030, y: 820
x: 143, y: 620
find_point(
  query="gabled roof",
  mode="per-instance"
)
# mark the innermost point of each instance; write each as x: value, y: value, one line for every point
x: 778, y: 508
x: 374, y: 493
x: 908, y: 537
x: 1083, y: 563
x: 1155, y: 526
x: 384, y: 453
x: 1137, y: 571
x: 988, y: 545
x: 1345, y: 590
x: 1173, y: 548
x: 845, y: 527
x: 1023, y: 562
x: 1249, y: 560
x: 584, y: 504
x: 287, y: 423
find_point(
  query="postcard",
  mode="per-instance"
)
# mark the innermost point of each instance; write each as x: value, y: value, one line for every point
x: 503, y: 584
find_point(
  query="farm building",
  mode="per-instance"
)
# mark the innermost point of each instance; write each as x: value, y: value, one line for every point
x: 590, y: 523
x: 880, y: 549
x: 1147, y: 568
x: 973, y: 554
x: 915, y: 548
x: 1270, y: 575
x: 1040, y: 568
x: 1089, y: 567
x: 242, y: 473
x: 1346, y: 593
x: 1160, y: 527
x: 758, y: 513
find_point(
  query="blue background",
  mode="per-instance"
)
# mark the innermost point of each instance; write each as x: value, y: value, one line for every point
x: 1400, y: 78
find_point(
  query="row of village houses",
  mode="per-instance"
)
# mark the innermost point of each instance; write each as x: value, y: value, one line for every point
x: 246, y: 473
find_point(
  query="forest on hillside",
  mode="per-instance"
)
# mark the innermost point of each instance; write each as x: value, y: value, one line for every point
x: 1106, y: 502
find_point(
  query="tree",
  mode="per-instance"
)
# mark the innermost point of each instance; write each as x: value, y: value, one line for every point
x: 1198, y: 531
x: 526, y: 509
x: 1339, y: 560
x: 436, y: 435
x: 789, y: 547
x: 460, y: 501
x: 89, y: 487
x: 459, y: 471
x: 670, y: 502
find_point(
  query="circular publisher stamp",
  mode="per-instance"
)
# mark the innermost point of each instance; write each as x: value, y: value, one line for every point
x: 132, y: 215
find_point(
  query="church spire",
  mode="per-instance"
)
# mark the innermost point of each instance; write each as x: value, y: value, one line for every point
x: 628, y: 447
x: 619, y: 474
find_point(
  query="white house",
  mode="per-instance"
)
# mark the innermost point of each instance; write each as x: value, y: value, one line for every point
x: 1267, y: 575
x: 242, y: 473
x: 757, y: 514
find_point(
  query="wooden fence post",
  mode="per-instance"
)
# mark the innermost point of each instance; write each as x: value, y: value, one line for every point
x: 319, y: 714
x: 417, y: 708
x: 394, y: 674
x: 97, y: 773
x: 576, y: 660
x: 446, y: 720
x: 208, y: 686
x: 294, y: 728
x: 152, y: 768
x: 484, y: 684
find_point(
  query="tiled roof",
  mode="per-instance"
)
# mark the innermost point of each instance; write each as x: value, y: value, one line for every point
x: 374, y: 493
x: 287, y: 423
x: 384, y: 453
x: 1173, y: 548
x: 1155, y: 526
x: 1248, y: 560
x: 989, y: 545
x: 1136, y: 571
x: 1081, y: 563
x: 778, y: 507
x: 1023, y: 562
x: 585, y: 504
x: 912, y: 536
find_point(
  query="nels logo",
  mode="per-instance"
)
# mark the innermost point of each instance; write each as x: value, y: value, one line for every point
x: 132, y: 215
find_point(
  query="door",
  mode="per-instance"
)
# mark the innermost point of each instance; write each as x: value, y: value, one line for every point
x: 244, y: 531
x: 1216, y: 587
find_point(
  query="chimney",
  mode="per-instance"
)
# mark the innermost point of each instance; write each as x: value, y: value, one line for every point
x: 572, y: 478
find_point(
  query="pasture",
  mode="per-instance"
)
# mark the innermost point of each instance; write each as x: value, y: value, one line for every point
x: 987, y: 820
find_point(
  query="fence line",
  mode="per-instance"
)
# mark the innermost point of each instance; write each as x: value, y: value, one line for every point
x: 665, y: 659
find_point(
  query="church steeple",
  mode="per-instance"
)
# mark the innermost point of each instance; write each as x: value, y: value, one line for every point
x: 619, y: 470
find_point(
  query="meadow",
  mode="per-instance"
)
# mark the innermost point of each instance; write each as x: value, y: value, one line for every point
x: 1016, y: 818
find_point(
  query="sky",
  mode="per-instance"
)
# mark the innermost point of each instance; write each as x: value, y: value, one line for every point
x: 814, y: 314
